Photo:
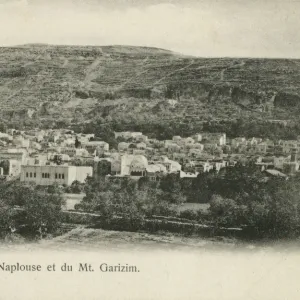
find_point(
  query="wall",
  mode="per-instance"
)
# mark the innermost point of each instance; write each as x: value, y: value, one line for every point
x: 82, y: 173
x: 52, y: 170
x: 125, y: 163
x: 14, y: 167
x: 13, y: 155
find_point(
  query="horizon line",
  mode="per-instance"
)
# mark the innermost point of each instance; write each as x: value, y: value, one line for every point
x: 150, y: 47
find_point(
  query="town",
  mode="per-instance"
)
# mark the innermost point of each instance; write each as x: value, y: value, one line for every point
x: 62, y: 156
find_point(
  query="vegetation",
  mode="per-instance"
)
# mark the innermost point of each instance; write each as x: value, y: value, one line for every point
x: 129, y: 88
x: 35, y: 209
x: 239, y: 197
x: 75, y: 188
x: 162, y: 129
x: 126, y: 198
x: 243, y: 197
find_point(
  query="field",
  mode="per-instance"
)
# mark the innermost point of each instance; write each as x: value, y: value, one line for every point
x: 71, y: 200
x: 193, y: 206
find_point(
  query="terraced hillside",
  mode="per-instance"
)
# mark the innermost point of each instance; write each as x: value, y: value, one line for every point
x: 71, y: 82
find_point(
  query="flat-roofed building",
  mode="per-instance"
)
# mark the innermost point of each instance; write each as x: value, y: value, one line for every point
x: 127, y: 134
x: 95, y: 145
x: 14, y: 154
x: 214, y: 138
x: 50, y: 174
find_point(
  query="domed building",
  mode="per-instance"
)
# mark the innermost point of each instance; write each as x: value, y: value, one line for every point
x: 138, y: 166
x: 133, y: 165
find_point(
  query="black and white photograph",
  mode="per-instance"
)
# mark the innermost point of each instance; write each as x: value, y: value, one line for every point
x: 150, y: 149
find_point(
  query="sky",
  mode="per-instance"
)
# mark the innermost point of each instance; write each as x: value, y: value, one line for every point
x: 206, y: 28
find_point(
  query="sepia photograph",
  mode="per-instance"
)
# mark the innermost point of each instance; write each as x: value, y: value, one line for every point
x: 152, y: 147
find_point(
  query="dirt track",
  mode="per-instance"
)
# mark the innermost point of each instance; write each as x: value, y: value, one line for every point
x: 88, y: 239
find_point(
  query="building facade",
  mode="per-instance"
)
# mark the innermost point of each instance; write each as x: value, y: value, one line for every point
x: 50, y: 174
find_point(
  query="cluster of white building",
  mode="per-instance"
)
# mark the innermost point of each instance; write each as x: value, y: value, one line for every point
x: 280, y: 156
x: 137, y: 166
x: 61, y: 156
x: 264, y: 146
x: 199, y: 153
x: 45, y: 157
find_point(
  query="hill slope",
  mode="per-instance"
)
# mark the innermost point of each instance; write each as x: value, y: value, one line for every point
x: 79, y: 83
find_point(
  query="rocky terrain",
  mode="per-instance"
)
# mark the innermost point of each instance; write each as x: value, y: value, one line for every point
x: 79, y: 83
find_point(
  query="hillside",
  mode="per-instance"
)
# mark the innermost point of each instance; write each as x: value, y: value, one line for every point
x: 82, y: 83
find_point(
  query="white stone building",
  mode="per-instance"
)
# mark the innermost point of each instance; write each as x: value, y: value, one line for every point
x: 123, y: 146
x: 214, y: 138
x: 127, y: 134
x: 50, y: 174
x: 96, y: 145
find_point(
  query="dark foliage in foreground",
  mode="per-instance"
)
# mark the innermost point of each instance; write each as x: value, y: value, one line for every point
x: 35, y: 209
x: 239, y: 197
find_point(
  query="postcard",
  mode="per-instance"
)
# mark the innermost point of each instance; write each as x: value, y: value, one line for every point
x: 149, y: 149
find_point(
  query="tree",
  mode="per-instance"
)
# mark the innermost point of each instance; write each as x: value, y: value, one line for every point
x: 57, y: 159
x: 7, y: 216
x: 171, y: 188
x: 77, y: 143
x: 273, y: 212
x: 131, y: 200
x: 76, y: 162
x: 226, y: 212
x: 103, y: 168
x: 76, y: 187
x: 39, y: 208
x: 278, y: 214
x: 16, y: 193
x: 43, y: 211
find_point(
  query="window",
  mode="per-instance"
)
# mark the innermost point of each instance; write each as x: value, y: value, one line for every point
x: 30, y: 174
x: 34, y: 175
x: 55, y: 175
x: 59, y: 176
x: 43, y: 175
x: 26, y: 174
x: 63, y: 176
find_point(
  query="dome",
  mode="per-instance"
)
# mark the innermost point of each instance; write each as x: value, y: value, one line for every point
x: 140, y: 162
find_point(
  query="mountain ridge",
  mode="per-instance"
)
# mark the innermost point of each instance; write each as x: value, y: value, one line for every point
x: 61, y: 81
